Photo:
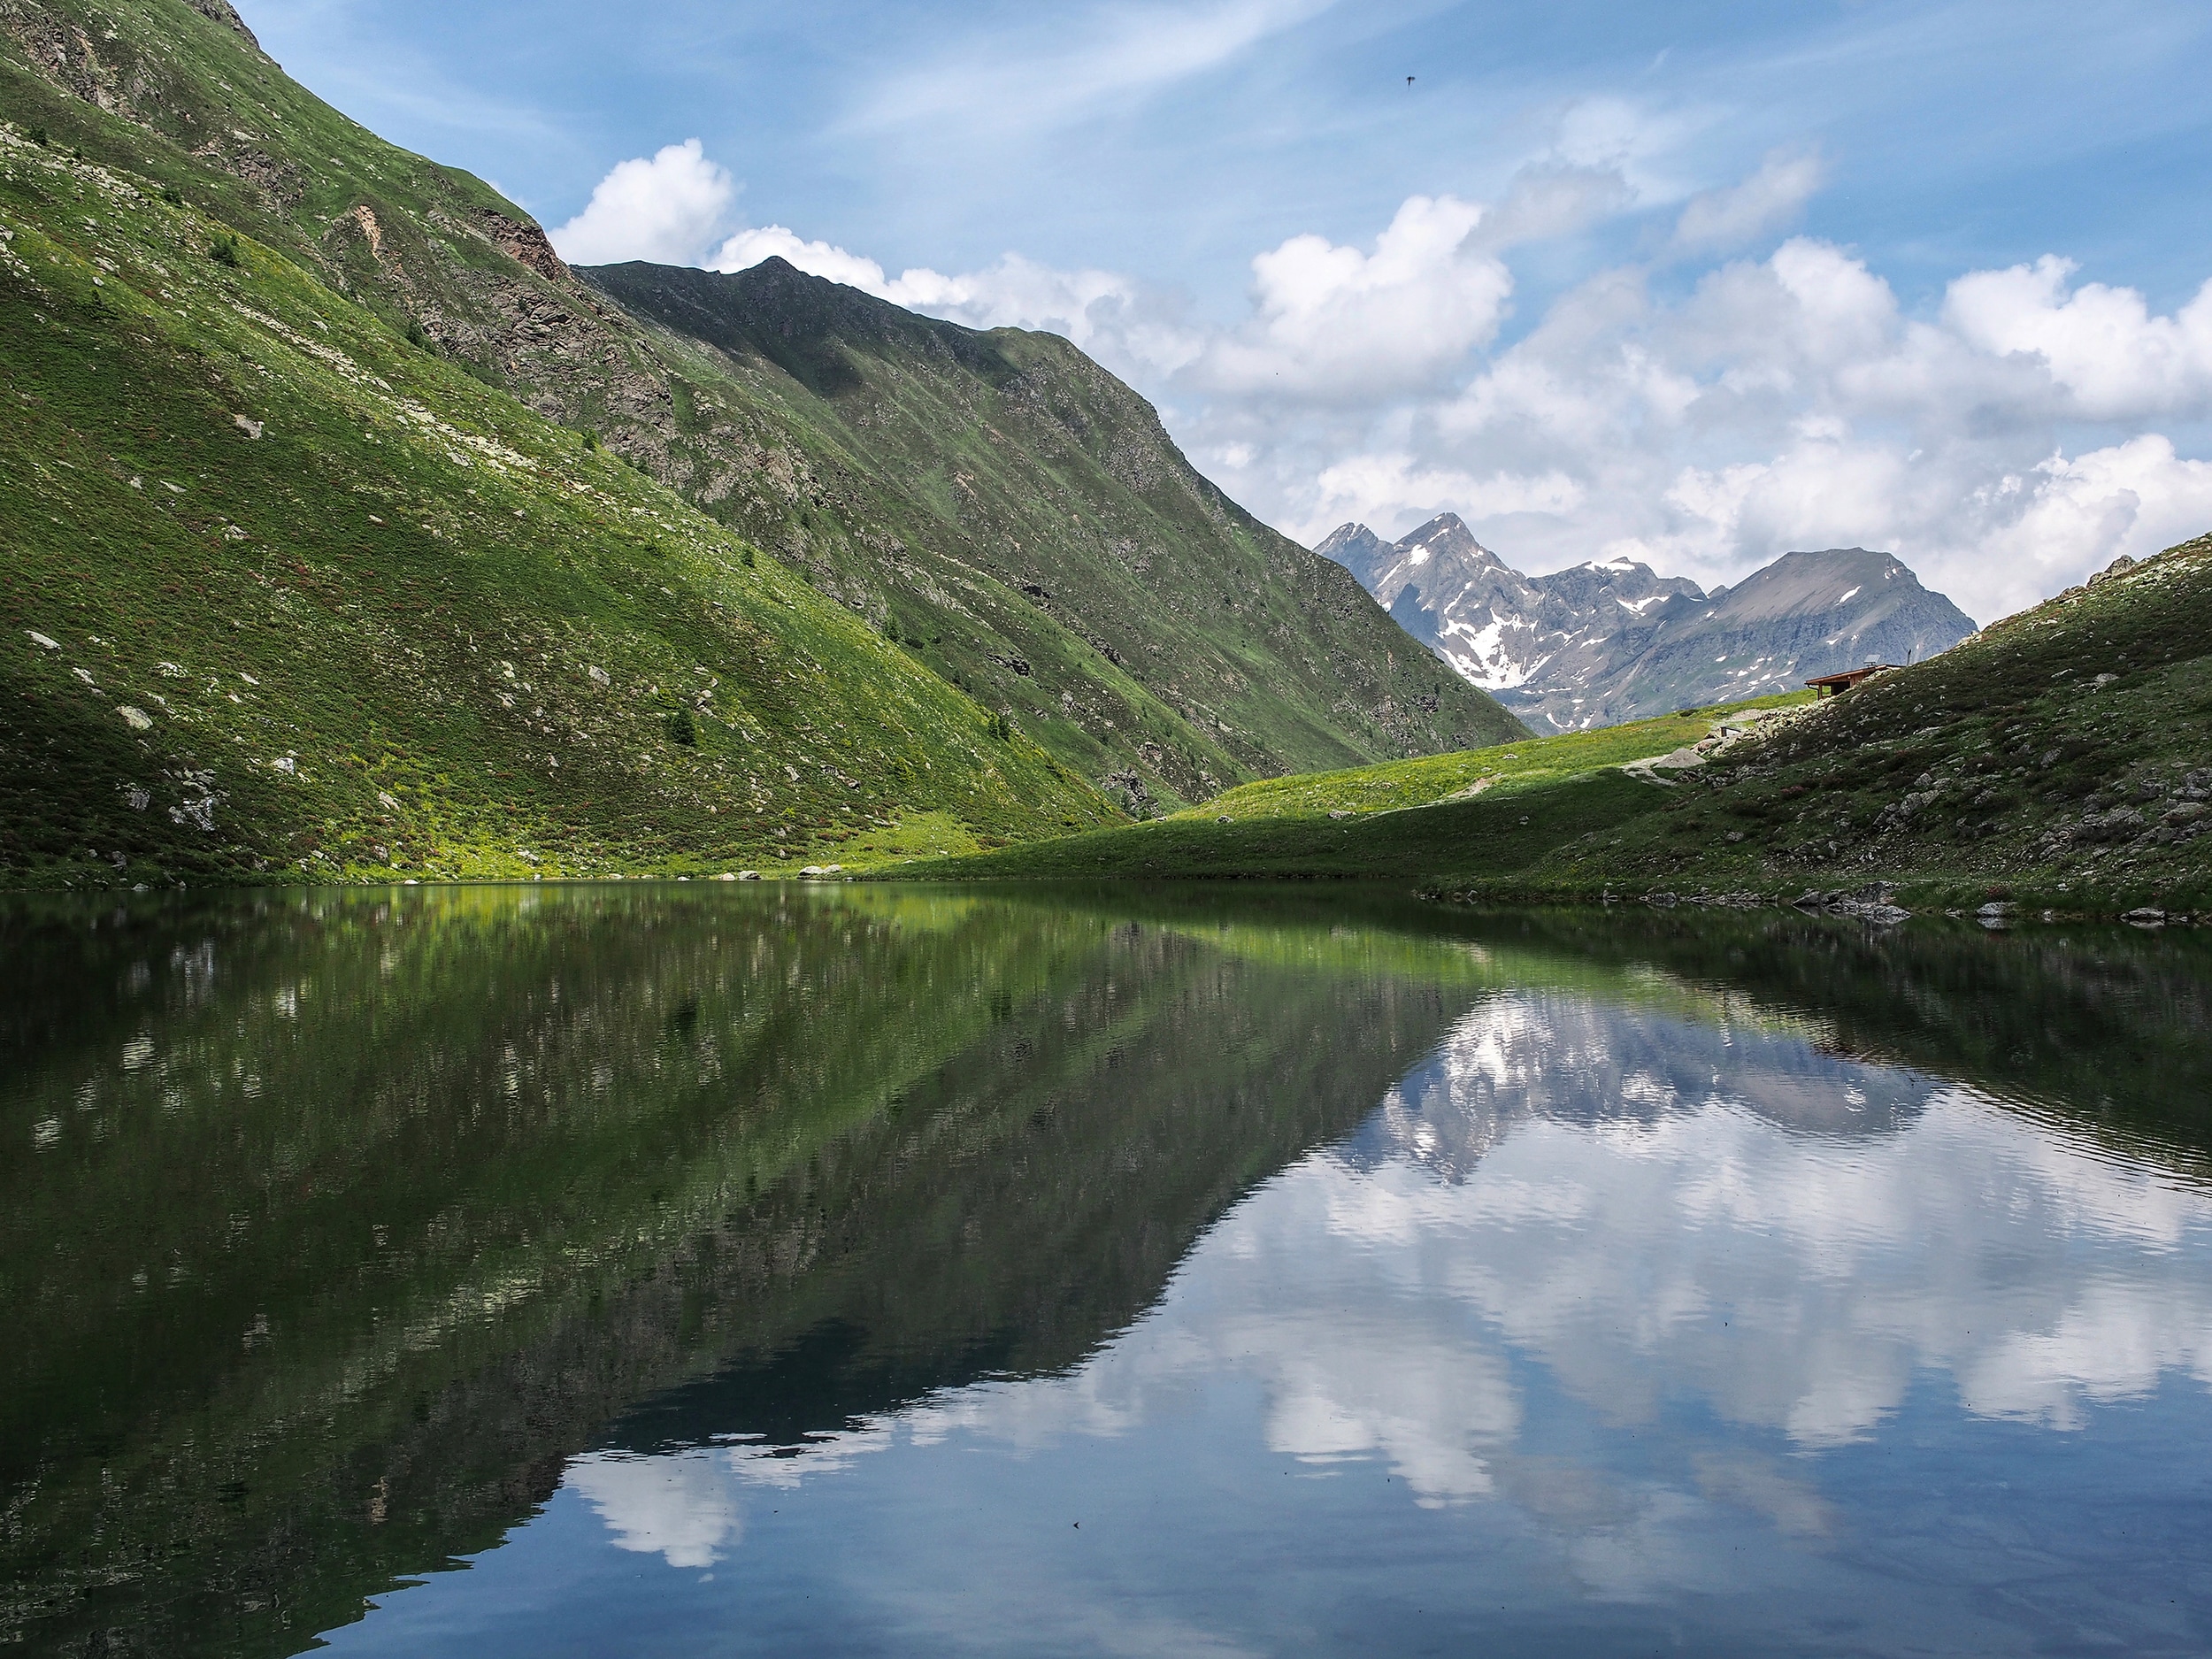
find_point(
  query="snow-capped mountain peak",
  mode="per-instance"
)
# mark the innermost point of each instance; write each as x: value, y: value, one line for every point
x: 1610, y: 641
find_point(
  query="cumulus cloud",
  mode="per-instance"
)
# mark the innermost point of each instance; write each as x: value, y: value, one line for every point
x: 1331, y: 321
x: 2102, y: 345
x: 665, y: 209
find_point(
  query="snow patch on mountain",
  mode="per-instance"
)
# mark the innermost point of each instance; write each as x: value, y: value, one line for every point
x: 1603, y: 642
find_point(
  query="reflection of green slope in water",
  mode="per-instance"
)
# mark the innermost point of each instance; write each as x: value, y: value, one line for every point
x: 2101, y: 1025
x: 1289, y: 929
x: 1037, y: 1191
x: 328, y: 1164
x: 354, y: 1215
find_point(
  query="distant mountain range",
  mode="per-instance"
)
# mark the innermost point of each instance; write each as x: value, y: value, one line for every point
x: 1602, y: 643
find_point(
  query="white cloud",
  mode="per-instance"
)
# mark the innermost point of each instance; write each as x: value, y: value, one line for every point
x: 2100, y: 344
x: 1727, y: 219
x: 1376, y: 486
x: 667, y: 209
x: 1547, y: 200
x: 1332, y: 322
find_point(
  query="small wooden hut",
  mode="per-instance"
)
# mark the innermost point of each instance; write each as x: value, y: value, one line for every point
x: 1836, y: 684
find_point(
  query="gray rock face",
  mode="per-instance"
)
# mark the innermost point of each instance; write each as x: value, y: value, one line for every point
x: 1601, y: 644
x: 223, y: 12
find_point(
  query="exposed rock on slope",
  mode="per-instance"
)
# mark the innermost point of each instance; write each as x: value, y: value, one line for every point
x: 1601, y: 644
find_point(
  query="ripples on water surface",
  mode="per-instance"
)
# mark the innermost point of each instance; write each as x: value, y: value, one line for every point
x: 662, y: 1271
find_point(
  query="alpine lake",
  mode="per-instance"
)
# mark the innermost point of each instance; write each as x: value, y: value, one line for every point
x: 662, y: 1270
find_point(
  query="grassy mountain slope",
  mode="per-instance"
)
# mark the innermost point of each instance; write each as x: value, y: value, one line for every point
x: 1005, y: 523
x: 1495, y: 811
x: 1431, y: 778
x: 1019, y: 515
x: 282, y: 594
x: 2060, y: 759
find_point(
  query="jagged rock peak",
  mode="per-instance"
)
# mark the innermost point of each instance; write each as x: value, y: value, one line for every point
x: 1611, y: 640
x: 1347, y: 538
x: 1445, y: 535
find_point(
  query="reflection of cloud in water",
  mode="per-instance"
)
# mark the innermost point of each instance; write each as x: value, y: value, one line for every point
x: 1796, y: 1281
x: 1790, y: 1238
x: 1430, y: 1410
x: 679, y: 1506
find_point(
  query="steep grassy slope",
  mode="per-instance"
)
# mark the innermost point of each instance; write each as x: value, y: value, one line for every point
x: 283, y: 595
x: 1019, y: 515
x: 181, y: 94
x: 1000, y: 503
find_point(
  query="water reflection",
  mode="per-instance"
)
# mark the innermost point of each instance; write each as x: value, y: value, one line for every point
x: 1159, y: 1272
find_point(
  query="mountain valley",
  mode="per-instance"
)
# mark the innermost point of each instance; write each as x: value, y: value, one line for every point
x: 348, y: 533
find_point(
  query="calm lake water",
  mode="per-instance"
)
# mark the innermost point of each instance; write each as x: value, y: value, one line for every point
x: 683, y: 1270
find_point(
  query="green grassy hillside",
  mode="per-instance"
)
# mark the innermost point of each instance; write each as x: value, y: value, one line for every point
x: 1495, y: 811
x: 283, y: 595
x: 1020, y: 519
x: 1431, y: 778
x: 997, y: 505
x: 2060, y: 759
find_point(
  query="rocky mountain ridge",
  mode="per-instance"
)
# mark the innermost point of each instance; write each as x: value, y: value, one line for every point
x: 1600, y: 643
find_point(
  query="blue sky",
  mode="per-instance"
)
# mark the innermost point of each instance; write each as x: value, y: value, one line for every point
x: 1143, y: 157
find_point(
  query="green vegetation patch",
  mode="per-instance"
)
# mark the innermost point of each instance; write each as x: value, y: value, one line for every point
x: 1483, y: 813
x: 1396, y: 785
x: 2060, y: 759
x: 1495, y: 833
x: 286, y: 598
